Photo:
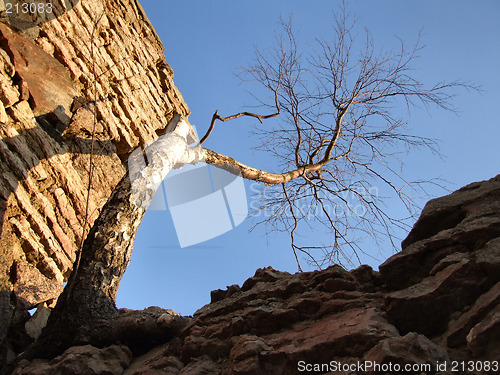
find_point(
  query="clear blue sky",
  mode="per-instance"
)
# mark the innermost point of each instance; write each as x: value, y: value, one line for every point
x: 207, y: 42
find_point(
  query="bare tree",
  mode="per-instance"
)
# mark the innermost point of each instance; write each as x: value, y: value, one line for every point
x: 340, y: 137
x: 336, y: 132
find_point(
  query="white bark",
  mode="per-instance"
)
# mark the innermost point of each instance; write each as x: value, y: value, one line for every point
x: 170, y: 151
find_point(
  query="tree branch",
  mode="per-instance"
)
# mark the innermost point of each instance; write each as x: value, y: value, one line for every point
x: 216, y: 117
x: 250, y: 173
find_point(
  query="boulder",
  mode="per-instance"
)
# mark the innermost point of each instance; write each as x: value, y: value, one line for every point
x: 80, y: 360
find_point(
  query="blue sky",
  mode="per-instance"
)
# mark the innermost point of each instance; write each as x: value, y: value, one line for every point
x: 207, y: 42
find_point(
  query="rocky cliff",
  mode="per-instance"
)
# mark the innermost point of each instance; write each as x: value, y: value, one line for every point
x: 435, y: 302
x: 51, y: 74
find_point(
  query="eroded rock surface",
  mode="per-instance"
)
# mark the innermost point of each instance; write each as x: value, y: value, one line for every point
x: 444, y: 307
x: 47, y: 93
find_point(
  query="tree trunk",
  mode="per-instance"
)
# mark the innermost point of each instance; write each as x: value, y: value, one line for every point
x: 86, y: 312
x: 86, y: 308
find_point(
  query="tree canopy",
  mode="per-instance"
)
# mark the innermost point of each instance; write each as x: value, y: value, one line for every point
x: 338, y: 127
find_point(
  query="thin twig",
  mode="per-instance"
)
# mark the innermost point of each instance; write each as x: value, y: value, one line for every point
x: 216, y: 117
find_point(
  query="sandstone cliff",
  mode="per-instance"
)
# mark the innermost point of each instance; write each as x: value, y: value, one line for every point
x: 47, y: 86
x: 436, y: 301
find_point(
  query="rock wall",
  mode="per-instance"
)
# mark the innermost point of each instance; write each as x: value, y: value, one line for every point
x: 102, y: 51
x: 436, y: 301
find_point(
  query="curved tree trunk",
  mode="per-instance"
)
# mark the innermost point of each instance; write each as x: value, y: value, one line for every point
x: 86, y: 308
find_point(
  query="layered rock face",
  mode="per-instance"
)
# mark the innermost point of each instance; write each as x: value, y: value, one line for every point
x: 103, y: 52
x: 435, y: 302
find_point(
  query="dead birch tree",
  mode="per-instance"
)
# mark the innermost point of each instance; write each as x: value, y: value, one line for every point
x: 335, y: 128
x: 339, y: 133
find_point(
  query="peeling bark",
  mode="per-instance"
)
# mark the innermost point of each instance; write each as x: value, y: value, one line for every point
x: 86, y: 307
x: 86, y: 312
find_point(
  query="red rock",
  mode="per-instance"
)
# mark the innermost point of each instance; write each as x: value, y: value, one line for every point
x: 157, y: 360
x: 459, y: 222
x: 411, y: 349
x: 347, y: 333
x: 426, y: 307
x: 488, y: 258
x: 459, y: 328
x: 79, y: 360
x: 484, y: 338
x: 306, y: 304
x: 334, y: 285
x: 268, y: 274
x: 47, y: 80
x: 244, y: 356
x: 200, y: 366
x: 334, y: 306
x: 248, y: 346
